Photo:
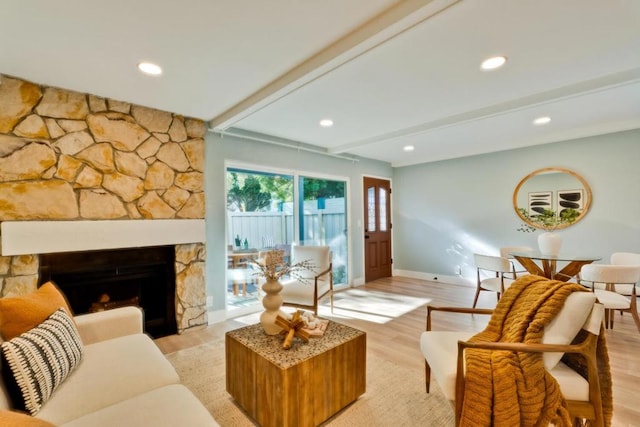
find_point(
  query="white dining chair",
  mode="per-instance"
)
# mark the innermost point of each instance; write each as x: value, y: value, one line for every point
x: 497, y: 269
x: 518, y: 269
x: 626, y: 258
x: 613, y: 276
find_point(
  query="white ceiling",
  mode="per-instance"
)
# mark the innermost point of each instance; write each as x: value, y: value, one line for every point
x: 388, y: 73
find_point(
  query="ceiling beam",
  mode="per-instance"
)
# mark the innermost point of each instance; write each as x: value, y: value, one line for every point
x: 628, y: 77
x: 398, y: 18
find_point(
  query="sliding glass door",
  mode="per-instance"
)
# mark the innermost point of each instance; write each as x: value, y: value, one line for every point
x: 323, y: 219
x: 267, y: 210
x: 259, y: 217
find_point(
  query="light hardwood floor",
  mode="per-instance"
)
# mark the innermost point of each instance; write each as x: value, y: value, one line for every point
x: 392, y: 312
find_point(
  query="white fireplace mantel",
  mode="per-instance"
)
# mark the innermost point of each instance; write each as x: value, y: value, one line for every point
x: 37, y: 237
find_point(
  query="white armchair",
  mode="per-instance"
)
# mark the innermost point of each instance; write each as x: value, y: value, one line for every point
x: 445, y: 354
x: 317, y: 283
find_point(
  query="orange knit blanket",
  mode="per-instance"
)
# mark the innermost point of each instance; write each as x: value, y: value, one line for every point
x: 503, y: 388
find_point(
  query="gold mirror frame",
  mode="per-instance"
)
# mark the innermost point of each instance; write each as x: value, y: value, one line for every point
x: 587, y: 196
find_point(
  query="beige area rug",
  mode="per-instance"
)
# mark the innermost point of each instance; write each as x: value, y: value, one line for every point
x: 395, y: 395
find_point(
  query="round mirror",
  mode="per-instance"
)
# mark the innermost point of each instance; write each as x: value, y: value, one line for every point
x: 552, y: 198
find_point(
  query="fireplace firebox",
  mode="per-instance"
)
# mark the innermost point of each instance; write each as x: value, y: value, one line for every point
x: 100, y: 280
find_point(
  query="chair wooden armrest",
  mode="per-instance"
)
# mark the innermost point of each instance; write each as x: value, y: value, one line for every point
x: 526, y: 347
x: 463, y: 310
x: 327, y: 271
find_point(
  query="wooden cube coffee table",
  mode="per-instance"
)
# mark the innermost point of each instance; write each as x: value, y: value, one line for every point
x: 303, y: 386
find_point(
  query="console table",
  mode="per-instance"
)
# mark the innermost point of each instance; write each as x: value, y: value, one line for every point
x: 302, y: 386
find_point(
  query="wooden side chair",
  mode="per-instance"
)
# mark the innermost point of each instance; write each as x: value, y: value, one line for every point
x: 444, y: 353
x: 317, y: 283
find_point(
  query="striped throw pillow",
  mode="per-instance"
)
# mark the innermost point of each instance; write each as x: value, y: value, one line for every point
x: 40, y: 359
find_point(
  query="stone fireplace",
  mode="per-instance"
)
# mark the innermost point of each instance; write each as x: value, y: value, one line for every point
x: 80, y: 173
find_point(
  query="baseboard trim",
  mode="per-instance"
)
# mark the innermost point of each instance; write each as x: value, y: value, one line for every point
x: 216, y: 316
x: 358, y: 281
x: 433, y: 277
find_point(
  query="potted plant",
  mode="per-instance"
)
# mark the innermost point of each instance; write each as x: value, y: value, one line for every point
x: 548, y: 220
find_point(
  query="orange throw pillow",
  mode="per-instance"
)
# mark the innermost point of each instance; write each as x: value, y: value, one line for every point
x: 10, y: 418
x: 20, y: 314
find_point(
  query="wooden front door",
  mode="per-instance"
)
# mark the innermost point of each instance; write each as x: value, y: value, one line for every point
x: 377, y: 228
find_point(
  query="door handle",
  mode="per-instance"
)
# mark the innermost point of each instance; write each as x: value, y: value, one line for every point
x: 366, y: 237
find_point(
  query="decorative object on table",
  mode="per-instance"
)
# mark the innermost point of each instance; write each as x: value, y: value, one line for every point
x: 272, y: 267
x: 238, y: 242
x: 314, y: 326
x: 549, y: 242
x: 246, y: 243
x: 292, y: 328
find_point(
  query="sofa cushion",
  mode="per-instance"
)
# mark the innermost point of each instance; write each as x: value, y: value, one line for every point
x: 41, y: 359
x: 169, y: 406
x: 111, y: 372
x: 20, y: 314
x: 11, y: 418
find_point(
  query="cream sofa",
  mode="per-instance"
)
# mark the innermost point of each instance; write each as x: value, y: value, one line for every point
x: 123, y: 380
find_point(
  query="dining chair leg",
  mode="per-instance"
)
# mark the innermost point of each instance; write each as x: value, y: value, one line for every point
x: 427, y: 375
x: 475, y: 299
x: 634, y: 313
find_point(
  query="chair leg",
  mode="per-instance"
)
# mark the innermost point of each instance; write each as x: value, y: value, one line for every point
x: 427, y: 375
x: 475, y: 299
x: 607, y: 318
x: 331, y: 301
x: 636, y: 318
x: 634, y: 313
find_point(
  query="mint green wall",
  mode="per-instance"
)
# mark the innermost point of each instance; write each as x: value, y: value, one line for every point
x: 229, y: 149
x: 445, y: 211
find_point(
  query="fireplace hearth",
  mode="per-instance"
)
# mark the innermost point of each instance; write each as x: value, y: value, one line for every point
x: 105, y: 279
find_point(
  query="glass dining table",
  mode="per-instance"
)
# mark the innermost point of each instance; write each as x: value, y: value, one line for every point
x: 546, y: 265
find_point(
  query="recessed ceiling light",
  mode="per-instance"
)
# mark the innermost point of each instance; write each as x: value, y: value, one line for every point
x: 493, y: 62
x: 542, y: 120
x: 326, y: 123
x: 408, y: 148
x: 150, y: 68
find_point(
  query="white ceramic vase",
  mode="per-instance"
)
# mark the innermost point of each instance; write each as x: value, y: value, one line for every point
x: 549, y: 243
x: 272, y: 302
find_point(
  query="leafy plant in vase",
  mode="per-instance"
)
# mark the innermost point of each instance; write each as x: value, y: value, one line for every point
x: 548, y: 242
x: 273, y: 267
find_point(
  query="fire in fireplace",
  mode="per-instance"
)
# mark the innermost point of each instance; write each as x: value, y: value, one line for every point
x: 101, y: 280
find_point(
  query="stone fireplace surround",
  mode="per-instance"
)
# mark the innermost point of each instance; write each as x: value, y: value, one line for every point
x: 79, y: 167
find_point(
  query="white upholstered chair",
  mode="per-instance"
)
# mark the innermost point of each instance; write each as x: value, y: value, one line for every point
x: 625, y: 258
x: 444, y: 355
x: 317, y: 283
x: 500, y: 272
x: 613, y: 277
x: 518, y: 269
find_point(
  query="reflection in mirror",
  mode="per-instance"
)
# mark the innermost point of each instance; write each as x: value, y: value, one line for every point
x: 552, y: 198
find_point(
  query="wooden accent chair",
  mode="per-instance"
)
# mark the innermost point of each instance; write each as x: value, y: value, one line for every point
x: 317, y: 283
x: 498, y: 268
x: 444, y: 353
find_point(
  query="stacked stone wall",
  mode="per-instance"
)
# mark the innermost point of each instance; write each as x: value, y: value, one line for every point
x: 70, y: 156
